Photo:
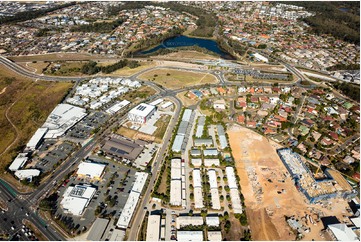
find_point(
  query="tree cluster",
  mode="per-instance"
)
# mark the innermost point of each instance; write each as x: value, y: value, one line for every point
x: 329, y: 19
x: 350, y: 90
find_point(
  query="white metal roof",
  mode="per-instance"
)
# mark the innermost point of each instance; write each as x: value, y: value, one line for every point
x: 210, y: 162
x: 177, y: 144
x: 197, y: 182
x: 128, y: 210
x: 156, y: 102
x: 190, y: 235
x: 153, y: 228
x: 28, y: 173
x: 176, y: 192
x: 342, y: 232
x: 214, y: 236
x: 199, y: 130
x: 236, y: 201
x: 188, y: 220
x: 140, y: 179
x: 216, y: 204
x: 212, y: 152
x: 223, y: 141
x: 117, y: 106
x: 142, y: 110
x: 166, y: 104
x: 212, y: 221
x: 62, y: 118
x: 175, y: 171
x: 92, y: 170
x: 232, y: 182
x: 198, y: 197
x: 76, y: 198
x: 212, y: 179
x: 197, y: 162
x: 34, y: 141
x: 18, y: 162
x: 187, y: 115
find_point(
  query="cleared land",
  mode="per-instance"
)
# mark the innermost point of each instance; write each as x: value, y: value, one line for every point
x: 262, y: 175
x: 26, y: 104
x: 137, y: 95
x: 161, y: 125
x: 174, y: 79
x: 126, y: 71
x: 188, y: 54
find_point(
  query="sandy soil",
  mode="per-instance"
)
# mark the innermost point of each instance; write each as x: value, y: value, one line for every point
x: 268, y: 190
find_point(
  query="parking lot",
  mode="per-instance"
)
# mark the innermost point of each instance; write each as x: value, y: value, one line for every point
x: 55, y: 156
x: 83, y: 129
x: 112, y: 193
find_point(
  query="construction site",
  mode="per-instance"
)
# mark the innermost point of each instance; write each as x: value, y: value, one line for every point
x: 271, y: 195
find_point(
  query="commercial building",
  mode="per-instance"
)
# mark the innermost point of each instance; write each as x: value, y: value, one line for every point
x: 222, y: 137
x: 120, y: 147
x: 141, y: 113
x: 200, y: 126
x: 117, y: 106
x: 187, y: 115
x: 176, y: 182
x: 182, y: 129
x: 197, y: 184
x: 37, y: 138
x: 177, y: 144
x: 90, y: 169
x: 166, y: 105
x: 214, y: 235
x: 97, y: 230
x: 234, y: 193
x: 77, y: 198
x: 153, y: 228
x: 341, y: 232
x: 18, y: 162
x: 210, y: 162
x: 27, y: 174
x: 183, y: 221
x: 63, y: 117
x: 216, y: 204
x: 201, y: 142
x: 132, y: 201
x: 190, y: 236
x: 210, y: 152
x: 196, y: 162
x: 117, y: 235
x: 156, y: 102
x: 212, y: 221
x: 231, y: 178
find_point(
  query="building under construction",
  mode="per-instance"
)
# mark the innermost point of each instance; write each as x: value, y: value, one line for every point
x: 334, y: 185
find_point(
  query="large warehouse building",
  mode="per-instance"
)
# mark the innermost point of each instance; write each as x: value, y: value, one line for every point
x: 63, y: 117
x: 141, y: 113
x: 91, y: 170
x: 120, y: 147
x: 77, y: 198
x: 35, y: 141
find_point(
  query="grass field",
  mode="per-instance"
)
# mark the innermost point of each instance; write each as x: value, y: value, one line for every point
x: 129, y: 133
x: 27, y: 105
x: 136, y: 95
x: 70, y: 68
x: 189, y: 54
x: 174, y: 79
x: 126, y: 71
x: 161, y: 125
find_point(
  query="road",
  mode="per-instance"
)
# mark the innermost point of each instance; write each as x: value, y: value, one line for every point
x: 158, y: 162
x: 19, y: 210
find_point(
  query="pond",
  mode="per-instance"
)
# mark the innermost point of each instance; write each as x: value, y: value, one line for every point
x: 181, y: 40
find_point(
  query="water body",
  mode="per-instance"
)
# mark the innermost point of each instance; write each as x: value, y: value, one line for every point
x: 181, y: 40
x: 344, y: 9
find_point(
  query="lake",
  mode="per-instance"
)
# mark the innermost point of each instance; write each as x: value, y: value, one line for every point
x: 181, y: 40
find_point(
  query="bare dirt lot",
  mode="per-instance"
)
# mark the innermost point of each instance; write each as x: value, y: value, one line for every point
x: 268, y: 189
